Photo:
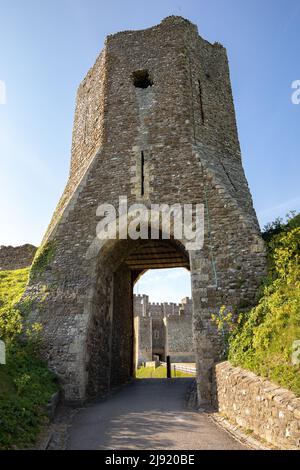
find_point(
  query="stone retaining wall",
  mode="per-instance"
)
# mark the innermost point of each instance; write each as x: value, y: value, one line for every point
x: 16, y: 257
x: 258, y: 405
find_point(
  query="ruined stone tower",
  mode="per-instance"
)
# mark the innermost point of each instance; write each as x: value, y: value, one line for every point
x: 155, y: 122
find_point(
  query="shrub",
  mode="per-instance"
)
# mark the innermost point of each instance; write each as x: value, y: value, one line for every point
x: 26, y: 385
x: 263, y: 338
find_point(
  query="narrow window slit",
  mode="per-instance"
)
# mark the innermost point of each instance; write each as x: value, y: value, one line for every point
x: 142, y: 173
x: 201, y: 101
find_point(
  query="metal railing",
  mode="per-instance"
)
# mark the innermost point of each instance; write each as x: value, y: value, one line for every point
x: 188, y: 369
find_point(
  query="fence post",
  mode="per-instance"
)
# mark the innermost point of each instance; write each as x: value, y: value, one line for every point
x: 169, y: 375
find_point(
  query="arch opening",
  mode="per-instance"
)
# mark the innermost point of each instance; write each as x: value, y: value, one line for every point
x: 111, y: 356
x: 163, y: 315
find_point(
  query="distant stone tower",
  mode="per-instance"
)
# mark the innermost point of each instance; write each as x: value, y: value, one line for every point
x: 163, y: 329
x: 155, y: 122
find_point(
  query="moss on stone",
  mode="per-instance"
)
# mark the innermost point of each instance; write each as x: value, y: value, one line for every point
x: 42, y: 259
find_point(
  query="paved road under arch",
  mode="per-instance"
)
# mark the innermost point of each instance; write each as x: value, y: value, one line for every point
x: 147, y: 414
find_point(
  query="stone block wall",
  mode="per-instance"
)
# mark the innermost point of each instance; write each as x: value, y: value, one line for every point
x: 122, y: 344
x: 16, y: 257
x: 179, y: 332
x: 140, y: 305
x: 159, y: 337
x: 258, y: 405
x: 143, y: 339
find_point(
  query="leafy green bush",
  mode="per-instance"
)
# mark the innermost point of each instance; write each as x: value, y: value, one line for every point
x: 272, y: 234
x: 26, y: 385
x: 278, y: 226
x: 263, y: 338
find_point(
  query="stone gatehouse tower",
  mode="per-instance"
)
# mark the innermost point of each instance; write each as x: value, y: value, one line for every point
x: 155, y: 122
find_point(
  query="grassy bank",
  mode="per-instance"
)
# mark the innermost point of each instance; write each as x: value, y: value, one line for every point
x: 158, y: 373
x: 26, y: 385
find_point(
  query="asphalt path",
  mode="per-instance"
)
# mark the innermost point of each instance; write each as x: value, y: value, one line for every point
x: 147, y: 414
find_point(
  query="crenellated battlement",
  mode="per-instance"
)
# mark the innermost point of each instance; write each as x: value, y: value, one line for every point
x: 142, y: 307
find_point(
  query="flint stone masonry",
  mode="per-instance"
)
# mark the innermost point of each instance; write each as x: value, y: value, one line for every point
x: 16, y: 257
x: 173, y: 142
x: 179, y: 333
x: 163, y: 329
x: 256, y: 404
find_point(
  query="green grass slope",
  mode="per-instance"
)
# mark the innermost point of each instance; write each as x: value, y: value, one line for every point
x: 12, y: 285
x: 26, y: 385
x: 158, y: 373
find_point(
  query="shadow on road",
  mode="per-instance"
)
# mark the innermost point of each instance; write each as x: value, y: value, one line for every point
x: 147, y: 414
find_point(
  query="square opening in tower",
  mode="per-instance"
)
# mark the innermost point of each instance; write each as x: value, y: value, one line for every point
x: 141, y: 79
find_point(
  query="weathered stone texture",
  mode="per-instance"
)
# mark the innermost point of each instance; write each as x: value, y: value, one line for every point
x: 256, y: 404
x: 180, y: 342
x: 122, y: 329
x: 16, y: 257
x: 143, y: 340
x: 184, y: 127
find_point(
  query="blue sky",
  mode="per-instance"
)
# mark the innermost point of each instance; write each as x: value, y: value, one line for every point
x: 46, y: 48
x: 165, y: 285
